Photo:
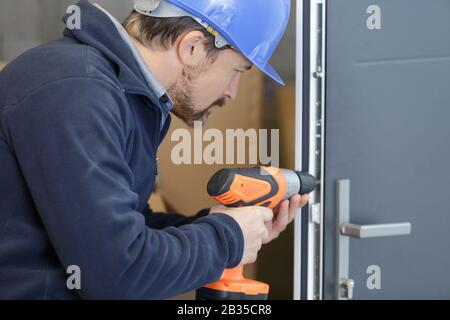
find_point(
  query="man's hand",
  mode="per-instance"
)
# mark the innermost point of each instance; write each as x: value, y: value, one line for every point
x: 260, y: 225
x: 253, y: 222
x: 284, y: 214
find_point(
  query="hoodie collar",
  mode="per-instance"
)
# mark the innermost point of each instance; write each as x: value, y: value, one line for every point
x: 152, y: 82
x: 98, y: 30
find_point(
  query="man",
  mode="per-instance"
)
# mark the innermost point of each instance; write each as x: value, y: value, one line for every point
x: 81, y: 120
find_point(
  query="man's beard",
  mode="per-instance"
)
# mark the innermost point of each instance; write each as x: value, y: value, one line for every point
x: 181, y: 94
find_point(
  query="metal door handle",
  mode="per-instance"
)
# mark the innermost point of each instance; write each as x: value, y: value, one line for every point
x: 344, y: 284
x: 375, y: 230
x: 363, y: 231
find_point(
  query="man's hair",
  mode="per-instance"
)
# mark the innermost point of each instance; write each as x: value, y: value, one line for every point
x: 164, y: 32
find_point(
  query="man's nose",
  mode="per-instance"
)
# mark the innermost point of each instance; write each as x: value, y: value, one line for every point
x: 232, y: 91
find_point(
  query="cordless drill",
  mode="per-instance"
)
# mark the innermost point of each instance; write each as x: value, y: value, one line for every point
x: 261, y: 186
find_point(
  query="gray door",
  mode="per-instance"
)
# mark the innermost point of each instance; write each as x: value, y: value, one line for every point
x: 387, y: 148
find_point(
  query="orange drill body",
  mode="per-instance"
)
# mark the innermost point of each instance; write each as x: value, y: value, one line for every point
x: 262, y: 186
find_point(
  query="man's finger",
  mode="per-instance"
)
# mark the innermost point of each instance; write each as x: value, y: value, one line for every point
x: 304, y: 200
x: 282, y: 218
x: 267, y: 214
x: 266, y: 235
x: 293, y: 207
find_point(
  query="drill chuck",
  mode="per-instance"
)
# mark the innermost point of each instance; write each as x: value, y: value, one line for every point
x: 298, y: 183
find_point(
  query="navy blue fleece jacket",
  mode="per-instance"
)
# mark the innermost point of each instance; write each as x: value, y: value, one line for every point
x: 79, y: 132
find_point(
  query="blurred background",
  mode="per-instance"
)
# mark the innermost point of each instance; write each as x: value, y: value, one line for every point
x: 261, y: 104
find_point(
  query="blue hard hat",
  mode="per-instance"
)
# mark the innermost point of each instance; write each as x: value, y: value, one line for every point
x: 253, y: 27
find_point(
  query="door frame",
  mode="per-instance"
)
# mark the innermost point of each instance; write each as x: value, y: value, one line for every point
x: 310, y: 141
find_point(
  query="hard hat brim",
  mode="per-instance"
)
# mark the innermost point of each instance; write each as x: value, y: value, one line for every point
x: 271, y: 72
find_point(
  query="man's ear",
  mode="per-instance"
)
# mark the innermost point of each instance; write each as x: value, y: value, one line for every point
x: 191, y: 48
